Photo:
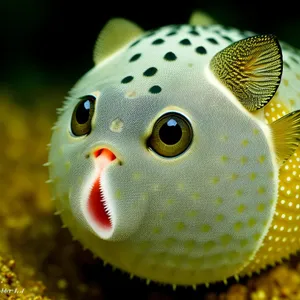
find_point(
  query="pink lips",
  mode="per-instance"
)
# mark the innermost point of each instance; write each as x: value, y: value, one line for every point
x: 96, y: 201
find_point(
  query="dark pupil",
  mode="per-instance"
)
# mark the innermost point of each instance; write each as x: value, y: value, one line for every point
x: 83, y: 112
x: 170, y: 133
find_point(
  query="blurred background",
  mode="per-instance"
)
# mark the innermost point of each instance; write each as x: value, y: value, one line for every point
x: 47, y: 46
x: 50, y: 42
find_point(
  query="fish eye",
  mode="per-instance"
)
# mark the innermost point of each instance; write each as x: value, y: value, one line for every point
x: 171, y: 135
x: 82, y: 116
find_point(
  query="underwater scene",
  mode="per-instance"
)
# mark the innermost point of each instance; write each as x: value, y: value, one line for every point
x: 150, y: 151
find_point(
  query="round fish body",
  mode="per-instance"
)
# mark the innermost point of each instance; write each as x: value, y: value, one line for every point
x: 164, y: 162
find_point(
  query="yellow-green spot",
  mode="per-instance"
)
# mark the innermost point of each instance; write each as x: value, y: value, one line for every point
x: 208, y: 245
x: 255, y: 131
x: 136, y: 176
x: 156, y: 230
x: 170, y: 201
x: 232, y: 255
x: 118, y: 195
x: 144, y: 197
x: 155, y: 187
x: 298, y: 76
x: 205, y: 228
x: 252, y: 222
x: 161, y: 215
x: 271, y: 174
x: 192, y: 213
x: 234, y: 176
x: 226, y: 239
x: 219, y: 201
x: 265, y: 222
x: 215, y: 180
x: 285, y: 82
x: 196, y: 196
x: 261, y: 207
x: 224, y: 138
x: 245, y: 143
x: 239, y: 193
x: 224, y: 158
x: 256, y: 236
x: 243, y: 243
x: 252, y: 176
x: 241, y: 208
x: 244, y: 160
x: 215, y: 258
x: 238, y: 226
x: 61, y: 150
x: 261, y: 190
x: 190, y: 245
x: 271, y: 201
x: 292, y: 102
x: 262, y: 158
x: 220, y: 218
x: 180, y: 186
x: 67, y: 165
x: 180, y: 226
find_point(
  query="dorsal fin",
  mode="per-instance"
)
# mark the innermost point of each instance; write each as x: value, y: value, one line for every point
x: 200, y: 18
x: 251, y: 69
x: 116, y: 33
x: 286, y: 135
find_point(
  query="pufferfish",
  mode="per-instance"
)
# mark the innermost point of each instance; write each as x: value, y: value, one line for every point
x: 176, y: 158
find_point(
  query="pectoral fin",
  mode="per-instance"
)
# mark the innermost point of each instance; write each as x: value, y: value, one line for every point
x: 116, y: 33
x: 251, y: 69
x: 286, y: 135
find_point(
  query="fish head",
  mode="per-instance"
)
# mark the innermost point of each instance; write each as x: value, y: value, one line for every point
x: 162, y: 142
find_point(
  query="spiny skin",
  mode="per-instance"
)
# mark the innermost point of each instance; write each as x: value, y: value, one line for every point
x: 220, y: 209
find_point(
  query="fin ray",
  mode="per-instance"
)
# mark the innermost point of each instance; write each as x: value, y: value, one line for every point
x: 286, y: 135
x: 251, y: 69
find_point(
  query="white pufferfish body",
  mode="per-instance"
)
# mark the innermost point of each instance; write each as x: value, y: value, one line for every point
x: 166, y: 158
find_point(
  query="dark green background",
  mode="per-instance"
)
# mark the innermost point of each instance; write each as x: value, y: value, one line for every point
x: 50, y: 43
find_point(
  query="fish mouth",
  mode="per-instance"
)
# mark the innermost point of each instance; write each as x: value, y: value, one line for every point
x: 98, y: 207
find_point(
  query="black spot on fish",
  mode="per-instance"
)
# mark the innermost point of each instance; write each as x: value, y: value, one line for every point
x: 227, y: 38
x: 155, y: 89
x: 158, y: 42
x: 151, y: 33
x: 185, y: 42
x: 194, y: 32
x: 127, y: 79
x: 212, y: 41
x: 171, y: 33
x: 286, y: 65
x: 170, y: 56
x: 150, y: 72
x: 135, y: 57
x: 201, y: 50
x: 292, y: 58
x: 135, y: 43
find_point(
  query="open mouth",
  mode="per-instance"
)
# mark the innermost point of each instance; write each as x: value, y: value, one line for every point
x: 97, y: 204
